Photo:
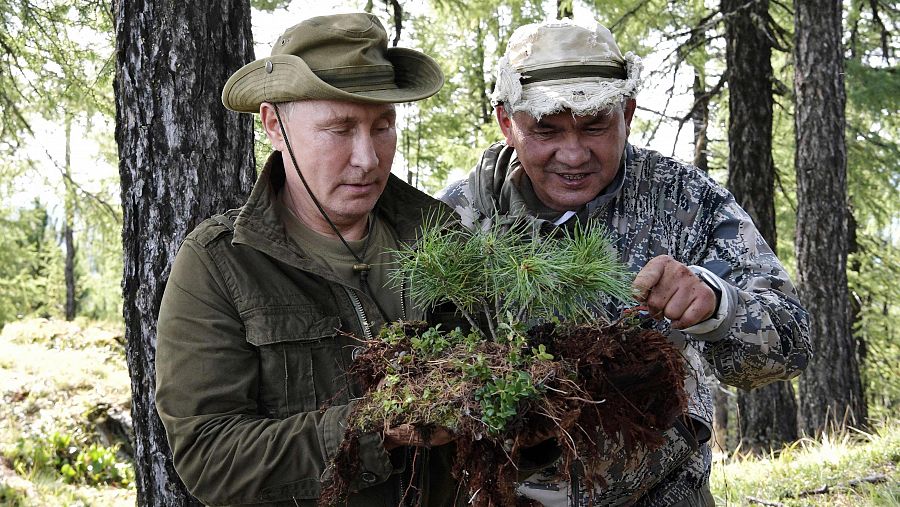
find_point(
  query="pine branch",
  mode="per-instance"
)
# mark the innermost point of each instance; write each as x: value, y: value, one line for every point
x: 490, y: 321
x: 634, y: 10
x: 471, y: 320
x: 506, y: 271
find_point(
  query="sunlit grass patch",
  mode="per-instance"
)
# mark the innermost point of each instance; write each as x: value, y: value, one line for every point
x: 53, y: 377
x: 832, y: 470
x: 60, y: 334
x: 47, y: 491
x: 39, y: 367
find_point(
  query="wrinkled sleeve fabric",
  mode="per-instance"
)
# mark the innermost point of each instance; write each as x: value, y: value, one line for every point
x: 207, y: 383
x: 763, y: 332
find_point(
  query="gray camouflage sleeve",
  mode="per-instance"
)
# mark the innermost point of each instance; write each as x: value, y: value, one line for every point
x: 765, y: 336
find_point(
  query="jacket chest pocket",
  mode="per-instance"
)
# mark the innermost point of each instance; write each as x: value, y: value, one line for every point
x: 300, y: 363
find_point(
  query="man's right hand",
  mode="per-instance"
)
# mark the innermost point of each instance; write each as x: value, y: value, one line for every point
x: 671, y: 290
x: 410, y: 436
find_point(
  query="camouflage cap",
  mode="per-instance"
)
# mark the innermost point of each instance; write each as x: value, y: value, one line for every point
x: 557, y: 65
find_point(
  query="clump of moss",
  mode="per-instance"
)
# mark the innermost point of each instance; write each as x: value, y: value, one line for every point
x: 536, y: 359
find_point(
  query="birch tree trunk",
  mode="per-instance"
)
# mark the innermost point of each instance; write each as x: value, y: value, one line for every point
x: 830, y: 389
x: 182, y: 158
x: 768, y: 415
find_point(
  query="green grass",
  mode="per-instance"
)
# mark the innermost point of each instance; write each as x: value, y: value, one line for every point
x: 790, y: 476
x: 52, y: 373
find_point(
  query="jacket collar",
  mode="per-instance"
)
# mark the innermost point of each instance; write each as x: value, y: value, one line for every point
x: 259, y: 226
x: 494, y: 184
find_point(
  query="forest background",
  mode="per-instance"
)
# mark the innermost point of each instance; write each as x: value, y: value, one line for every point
x: 62, y: 220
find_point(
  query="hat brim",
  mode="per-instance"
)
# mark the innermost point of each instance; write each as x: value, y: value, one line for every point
x: 416, y: 75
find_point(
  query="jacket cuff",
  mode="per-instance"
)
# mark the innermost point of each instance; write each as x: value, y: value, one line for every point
x: 374, y: 461
x: 334, y: 426
x: 716, y: 327
x: 375, y: 464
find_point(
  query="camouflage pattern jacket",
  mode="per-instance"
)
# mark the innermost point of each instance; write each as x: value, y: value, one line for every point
x: 656, y: 206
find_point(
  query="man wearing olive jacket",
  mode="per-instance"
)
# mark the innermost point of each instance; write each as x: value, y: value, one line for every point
x: 256, y: 321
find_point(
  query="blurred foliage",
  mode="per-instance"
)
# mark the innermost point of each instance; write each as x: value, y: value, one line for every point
x: 80, y: 334
x: 447, y: 133
x: 47, y: 63
x: 75, y: 460
x: 62, y: 386
x: 57, y: 66
x: 31, y: 262
x: 12, y: 496
x: 269, y: 5
x: 872, y: 82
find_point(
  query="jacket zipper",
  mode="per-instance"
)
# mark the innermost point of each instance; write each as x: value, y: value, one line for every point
x: 360, y: 313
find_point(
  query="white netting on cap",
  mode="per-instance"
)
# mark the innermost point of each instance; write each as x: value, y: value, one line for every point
x: 583, y: 96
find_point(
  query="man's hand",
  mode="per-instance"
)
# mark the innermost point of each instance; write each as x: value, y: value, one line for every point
x: 410, y: 436
x: 671, y: 290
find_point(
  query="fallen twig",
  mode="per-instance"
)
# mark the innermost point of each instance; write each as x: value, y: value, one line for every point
x: 825, y: 489
x: 760, y: 501
x: 872, y: 479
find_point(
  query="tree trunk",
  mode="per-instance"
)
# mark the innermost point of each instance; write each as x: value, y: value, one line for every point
x: 720, y: 415
x: 484, y: 100
x: 397, y: 10
x: 565, y: 9
x: 69, y: 202
x: 830, y: 389
x: 182, y: 158
x: 700, y: 121
x: 768, y: 415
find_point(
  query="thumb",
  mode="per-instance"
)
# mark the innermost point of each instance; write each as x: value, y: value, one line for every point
x: 648, y: 277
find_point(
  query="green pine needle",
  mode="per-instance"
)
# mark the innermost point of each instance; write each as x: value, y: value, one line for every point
x: 506, y: 271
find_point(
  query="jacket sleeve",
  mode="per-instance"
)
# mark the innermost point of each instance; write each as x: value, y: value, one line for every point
x: 763, y: 333
x: 225, y: 450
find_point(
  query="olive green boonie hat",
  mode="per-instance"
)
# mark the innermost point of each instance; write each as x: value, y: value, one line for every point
x: 336, y: 57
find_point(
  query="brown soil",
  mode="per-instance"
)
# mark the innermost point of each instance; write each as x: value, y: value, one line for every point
x: 621, y: 378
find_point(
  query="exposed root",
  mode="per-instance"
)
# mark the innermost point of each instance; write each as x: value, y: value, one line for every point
x: 618, y: 382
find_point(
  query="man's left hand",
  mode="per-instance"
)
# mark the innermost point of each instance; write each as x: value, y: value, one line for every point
x: 410, y: 436
x: 671, y: 290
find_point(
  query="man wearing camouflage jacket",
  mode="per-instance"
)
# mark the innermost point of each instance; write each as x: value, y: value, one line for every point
x: 564, y: 100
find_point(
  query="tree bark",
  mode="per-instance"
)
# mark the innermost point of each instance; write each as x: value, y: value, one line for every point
x: 484, y: 100
x: 700, y: 121
x: 720, y: 416
x: 182, y: 158
x: 830, y: 389
x: 397, y: 10
x: 68, y: 234
x: 768, y: 415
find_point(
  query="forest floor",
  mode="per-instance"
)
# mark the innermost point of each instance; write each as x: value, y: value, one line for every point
x: 66, y: 397
x: 852, y: 468
x: 64, y: 415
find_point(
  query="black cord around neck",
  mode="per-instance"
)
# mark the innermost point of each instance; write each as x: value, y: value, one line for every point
x: 361, y: 267
x: 309, y: 190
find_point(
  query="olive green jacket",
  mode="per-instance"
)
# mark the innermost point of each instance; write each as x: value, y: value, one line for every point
x: 253, y: 345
